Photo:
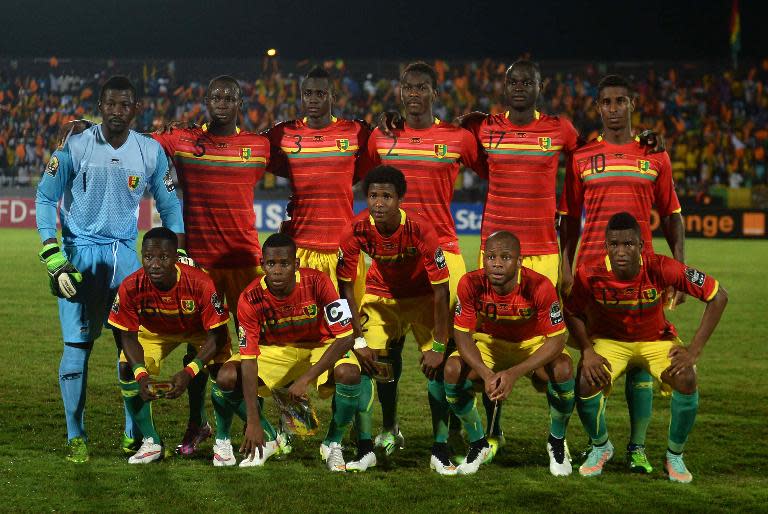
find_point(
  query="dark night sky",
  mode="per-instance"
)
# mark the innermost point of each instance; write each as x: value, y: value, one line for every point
x: 614, y: 31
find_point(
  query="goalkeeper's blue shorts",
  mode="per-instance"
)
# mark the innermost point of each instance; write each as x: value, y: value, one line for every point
x: 103, y: 267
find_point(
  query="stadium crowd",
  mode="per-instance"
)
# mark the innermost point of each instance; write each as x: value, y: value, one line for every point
x: 715, y: 123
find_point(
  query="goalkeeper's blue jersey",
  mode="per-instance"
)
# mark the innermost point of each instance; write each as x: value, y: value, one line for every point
x: 100, y: 188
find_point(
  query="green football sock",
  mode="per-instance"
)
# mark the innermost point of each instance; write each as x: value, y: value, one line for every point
x: 639, y: 393
x: 592, y: 414
x: 387, y: 391
x: 684, y: 409
x: 344, y: 408
x: 561, y: 399
x: 438, y: 407
x: 227, y: 403
x: 196, y: 391
x: 364, y: 415
x: 461, y: 399
x: 139, y: 410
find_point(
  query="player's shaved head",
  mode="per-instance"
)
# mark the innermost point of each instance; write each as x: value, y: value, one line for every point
x: 614, y: 81
x: 319, y: 73
x: 623, y: 221
x: 225, y: 79
x: 527, y: 65
x: 421, y: 67
x: 504, y: 236
x: 118, y: 83
x: 386, y: 175
x: 279, y: 240
x: 161, y: 234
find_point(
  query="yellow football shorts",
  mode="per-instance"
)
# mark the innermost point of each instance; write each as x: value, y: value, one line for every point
x: 385, y: 320
x: 326, y: 262
x: 649, y: 355
x: 157, y: 347
x: 457, y: 268
x: 230, y: 282
x: 500, y: 354
x: 547, y: 265
x: 281, y: 365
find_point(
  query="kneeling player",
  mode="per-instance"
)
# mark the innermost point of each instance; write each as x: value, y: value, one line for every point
x: 406, y: 287
x: 508, y: 324
x: 616, y: 315
x: 156, y: 309
x: 293, y: 329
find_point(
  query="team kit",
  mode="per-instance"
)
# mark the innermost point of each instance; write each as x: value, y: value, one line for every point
x: 309, y: 313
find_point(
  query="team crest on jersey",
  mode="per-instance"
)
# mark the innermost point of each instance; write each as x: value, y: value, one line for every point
x: 218, y: 306
x: 440, y: 259
x: 695, y: 276
x: 188, y: 306
x: 342, y: 144
x: 545, y: 143
x: 133, y: 182
x: 53, y: 166
x: 411, y: 251
x: 524, y: 312
x: 116, y: 304
x: 457, y: 310
x: 441, y: 150
x: 310, y: 310
x: 245, y: 153
x: 241, y: 336
x: 650, y: 294
x: 643, y: 165
x: 555, y: 313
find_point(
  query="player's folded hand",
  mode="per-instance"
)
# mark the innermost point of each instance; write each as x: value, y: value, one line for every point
x: 595, y: 368
x: 180, y: 383
x: 298, y: 390
x: 144, y: 389
x: 184, y: 258
x: 431, y: 363
x: 470, y: 118
x: 501, y: 385
x: 367, y: 359
x: 168, y: 127
x: 389, y: 121
x: 653, y: 141
x: 253, y: 441
x: 64, y: 277
x: 682, y: 359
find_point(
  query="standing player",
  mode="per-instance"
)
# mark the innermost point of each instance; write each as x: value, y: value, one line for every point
x: 612, y: 174
x: 430, y: 154
x: 616, y: 314
x: 101, y: 175
x: 218, y: 166
x: 321, y: 156
x: 406, y: 288
x: 509, y: 324
x: 156, y: 309
x: 293, y: 329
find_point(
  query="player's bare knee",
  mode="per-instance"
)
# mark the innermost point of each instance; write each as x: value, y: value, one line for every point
x: 561, y: 369
x: 585, y: 389
x: 226, y: 378
x: 347, y: 374
x: 685, y: 381
x: 124, y: 370
x: 452, y: 371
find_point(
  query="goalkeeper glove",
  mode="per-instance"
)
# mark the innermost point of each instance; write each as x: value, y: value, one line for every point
x: 184, y: 258
x: 64, y: 277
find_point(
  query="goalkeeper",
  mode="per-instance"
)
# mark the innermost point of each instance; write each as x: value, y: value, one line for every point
x: 100, y: 177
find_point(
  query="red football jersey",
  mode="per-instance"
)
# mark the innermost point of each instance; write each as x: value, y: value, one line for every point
x: 311, y: 315
x: 403, y: 264
x: 632, y: 310
x: 192, y: 306
x: 429, y: 158
x: 531, y: 310
x: 217, y: 176
x: 321, y: 165
x: 522, y: 163
x: 607, y: 179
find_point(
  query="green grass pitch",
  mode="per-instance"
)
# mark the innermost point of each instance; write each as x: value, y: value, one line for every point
x: 726, y: 452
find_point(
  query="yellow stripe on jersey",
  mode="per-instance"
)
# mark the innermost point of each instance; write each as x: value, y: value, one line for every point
x: 427, y: 153
x: 219, y: 158
x: 323, y: 149
x: 521, y: 146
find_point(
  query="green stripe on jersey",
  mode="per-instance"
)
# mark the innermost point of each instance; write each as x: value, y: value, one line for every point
x: 306, y: 155
x: 520, y: 152
x: 415, y: 158
x: 222, y: 164
x: 611, y: 174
